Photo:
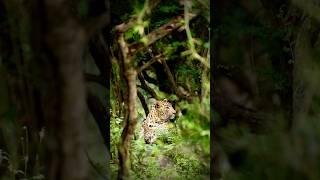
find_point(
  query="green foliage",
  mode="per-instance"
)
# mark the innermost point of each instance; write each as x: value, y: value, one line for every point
x: 183, y: 147
x: 187, y: 74
x: 163, y: 13
x: 169, y: 49
x: 170, y: 7
x: 132, y: 35
x: 115, y: 129
x: 137, y: 5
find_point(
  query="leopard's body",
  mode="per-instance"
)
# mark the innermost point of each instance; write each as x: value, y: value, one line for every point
x: 161, y: 112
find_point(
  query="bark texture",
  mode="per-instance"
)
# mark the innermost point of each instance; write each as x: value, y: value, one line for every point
x: 64, y: 100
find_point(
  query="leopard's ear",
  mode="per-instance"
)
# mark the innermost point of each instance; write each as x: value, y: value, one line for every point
x: 165, y: 100
x: 157, y: 105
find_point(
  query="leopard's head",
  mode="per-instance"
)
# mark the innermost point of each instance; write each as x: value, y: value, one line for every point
x: 164, y: 110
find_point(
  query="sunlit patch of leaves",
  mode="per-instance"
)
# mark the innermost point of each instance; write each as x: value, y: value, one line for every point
x: 132, y: 35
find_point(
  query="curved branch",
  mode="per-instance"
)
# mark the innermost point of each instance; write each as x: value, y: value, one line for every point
x: 146, y: 87
x: 149, y: 63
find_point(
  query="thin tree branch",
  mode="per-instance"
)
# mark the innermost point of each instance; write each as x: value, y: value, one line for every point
x: 148, y: 78
x: 149, y: 63
x: 146, y: 87
x: 192, y: 49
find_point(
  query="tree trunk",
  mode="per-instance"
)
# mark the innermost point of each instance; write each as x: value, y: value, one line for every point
x: 131, y: 122
x: 64, y: 100
x: 130, y: 75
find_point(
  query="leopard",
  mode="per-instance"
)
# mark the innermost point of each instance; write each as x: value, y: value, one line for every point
x: 160, y: 114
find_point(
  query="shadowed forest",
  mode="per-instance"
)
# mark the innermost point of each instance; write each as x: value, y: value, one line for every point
x: 265, y: 89
x: 83, y: 79
x: 159, y: 89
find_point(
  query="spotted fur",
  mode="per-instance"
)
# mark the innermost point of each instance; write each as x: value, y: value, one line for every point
x: 161, y: 112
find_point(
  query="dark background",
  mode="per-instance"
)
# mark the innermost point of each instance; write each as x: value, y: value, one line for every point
x: 56, y: 67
